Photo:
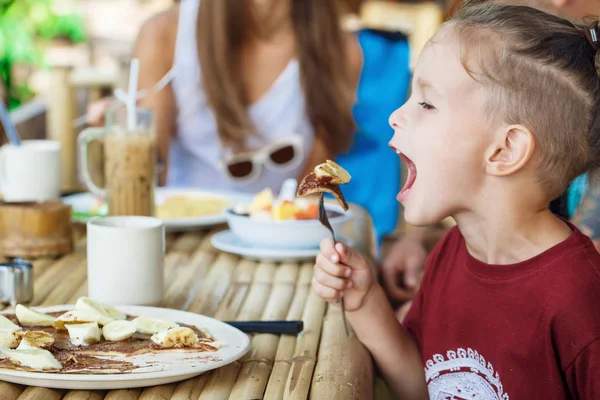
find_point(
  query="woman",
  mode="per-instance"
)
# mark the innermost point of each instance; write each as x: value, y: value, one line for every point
x: 262, y: 90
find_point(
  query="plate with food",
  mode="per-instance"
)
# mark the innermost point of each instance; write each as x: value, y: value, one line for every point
x: 180, y: 209
x: 93, y: 346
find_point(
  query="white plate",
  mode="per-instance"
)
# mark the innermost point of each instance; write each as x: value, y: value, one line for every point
x: 174, y: 366
x: 227, y: 241
x: 84, y: 202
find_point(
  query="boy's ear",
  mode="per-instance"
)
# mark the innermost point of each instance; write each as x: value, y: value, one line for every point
x: 510, y: 152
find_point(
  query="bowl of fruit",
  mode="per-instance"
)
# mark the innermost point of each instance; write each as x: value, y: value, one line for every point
x: 291, y: 223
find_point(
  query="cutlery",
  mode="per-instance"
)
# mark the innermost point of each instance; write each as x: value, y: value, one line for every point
x: 140, y: 94
x: 9, y: 127
x: 324, y: 219
x: 274, y: 327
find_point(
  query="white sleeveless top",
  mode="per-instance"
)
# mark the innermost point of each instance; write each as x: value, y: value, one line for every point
x: 196, y: 151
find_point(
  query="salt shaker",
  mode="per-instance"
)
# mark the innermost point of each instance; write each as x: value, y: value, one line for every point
x: 16, y: 282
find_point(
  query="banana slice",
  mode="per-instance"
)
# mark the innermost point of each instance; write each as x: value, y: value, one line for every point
x: 84, y: 334
x: 150, y: 326
x: 10, y: 339
x: 85, y: 303
x: 37, y: 359
x: 118, y: 330
x: 27, y: 316
x: 175, y: 337
x: 80, y: 317
x: 36, y: 340
x: 6, y: 325
x: 334, y: 171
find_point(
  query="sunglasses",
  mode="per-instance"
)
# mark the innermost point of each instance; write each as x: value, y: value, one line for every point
x: 281, y: 156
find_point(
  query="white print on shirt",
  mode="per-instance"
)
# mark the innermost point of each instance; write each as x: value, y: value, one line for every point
x: 464, y: 375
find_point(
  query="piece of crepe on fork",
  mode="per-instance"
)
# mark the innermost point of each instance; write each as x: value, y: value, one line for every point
x: 326, y: 177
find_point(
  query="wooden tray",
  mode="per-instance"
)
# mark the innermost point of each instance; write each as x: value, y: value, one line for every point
x: 31, y: 230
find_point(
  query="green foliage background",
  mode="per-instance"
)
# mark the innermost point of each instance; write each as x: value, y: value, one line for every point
x: 26, y: 27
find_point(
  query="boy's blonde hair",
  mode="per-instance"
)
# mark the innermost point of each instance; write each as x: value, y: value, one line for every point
x: 542, y: 73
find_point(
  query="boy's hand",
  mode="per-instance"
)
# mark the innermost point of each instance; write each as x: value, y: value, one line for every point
x: 342, y: 271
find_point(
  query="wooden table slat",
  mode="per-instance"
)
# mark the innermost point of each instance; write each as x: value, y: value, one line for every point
x: 82, y: 290
x: 252, y: 307
x: 53, y: 275
x: 184, y: 288
x: 305, y: 353
x: 259, y: 293
x: 39, y: 393
x: 174, y: 262
x: 215, y: 286
x: 124, y: 394
x: 161, y: 392
x: 258, y: 364
x: 10, y: 391
x: 220, y: 382
x: 344, y: 369
x: 187, y: 243
x: 63, y: 291
x: 40, y: 266
x: 234, y: 299
x: 190, y: 389
x: 287, y: 343
x: 84, y: 395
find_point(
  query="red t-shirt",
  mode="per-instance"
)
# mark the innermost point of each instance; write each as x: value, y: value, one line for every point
x: 523, y: 331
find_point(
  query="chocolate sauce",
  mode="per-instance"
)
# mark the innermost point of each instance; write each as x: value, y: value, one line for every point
x: 311, y: 184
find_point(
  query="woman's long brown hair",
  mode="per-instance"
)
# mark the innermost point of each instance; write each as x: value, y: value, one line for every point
x: 327, y: 82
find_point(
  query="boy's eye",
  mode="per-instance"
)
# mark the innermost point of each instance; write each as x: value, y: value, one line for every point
x: 427, y: 106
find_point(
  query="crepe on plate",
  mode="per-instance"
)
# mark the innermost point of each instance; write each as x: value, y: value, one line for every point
x: 93, y: 338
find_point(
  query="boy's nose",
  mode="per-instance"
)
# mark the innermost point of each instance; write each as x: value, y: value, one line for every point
x: 395, y: 120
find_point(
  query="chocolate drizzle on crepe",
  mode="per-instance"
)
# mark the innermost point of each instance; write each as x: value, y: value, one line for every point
x: 312, y: 184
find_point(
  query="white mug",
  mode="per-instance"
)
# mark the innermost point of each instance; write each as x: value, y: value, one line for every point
x: 31, y: 171
x: 125, y: 260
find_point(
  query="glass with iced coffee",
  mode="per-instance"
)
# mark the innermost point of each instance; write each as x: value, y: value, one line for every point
x: 129, y: 161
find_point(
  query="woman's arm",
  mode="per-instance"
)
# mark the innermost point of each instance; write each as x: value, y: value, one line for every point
x: 155, y: 47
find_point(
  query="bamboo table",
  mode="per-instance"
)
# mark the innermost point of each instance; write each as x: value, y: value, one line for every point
x: 320, y: 363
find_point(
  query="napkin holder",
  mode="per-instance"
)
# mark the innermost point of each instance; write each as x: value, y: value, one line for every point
x: 31, y: 230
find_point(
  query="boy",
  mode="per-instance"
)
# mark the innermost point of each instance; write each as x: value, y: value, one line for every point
x: 508, y: 307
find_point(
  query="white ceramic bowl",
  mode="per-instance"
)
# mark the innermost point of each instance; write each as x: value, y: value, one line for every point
x: 291, y: 234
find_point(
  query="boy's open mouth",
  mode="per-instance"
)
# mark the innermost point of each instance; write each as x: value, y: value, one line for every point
x: 411, y: 175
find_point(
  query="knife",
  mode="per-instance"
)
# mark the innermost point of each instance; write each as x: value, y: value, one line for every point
x: 273, y: 327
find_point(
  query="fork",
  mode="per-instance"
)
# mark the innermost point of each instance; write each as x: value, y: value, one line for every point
x: 324, y: 219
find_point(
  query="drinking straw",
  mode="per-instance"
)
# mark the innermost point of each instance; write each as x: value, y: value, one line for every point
x: 9, y: 127
x: 122, y: 96
x: 134, y: 70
